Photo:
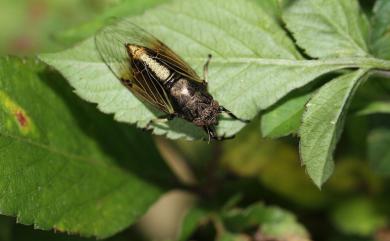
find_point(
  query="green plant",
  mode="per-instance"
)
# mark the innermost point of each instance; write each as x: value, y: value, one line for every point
x: 304, y: 67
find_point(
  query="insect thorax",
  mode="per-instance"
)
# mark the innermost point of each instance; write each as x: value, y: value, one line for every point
x: 194, y: 103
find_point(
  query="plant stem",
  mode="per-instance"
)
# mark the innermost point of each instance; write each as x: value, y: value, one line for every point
x: 350, y: 62
x: 374, y: 63
x: 383, y: 73
x: 177, y: 162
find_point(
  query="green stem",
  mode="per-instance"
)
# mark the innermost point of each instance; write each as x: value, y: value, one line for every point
x: 383, y: 73
x: 374, y: 63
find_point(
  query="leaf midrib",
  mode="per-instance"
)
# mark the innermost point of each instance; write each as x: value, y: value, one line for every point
x: 353, y: 62
x: 319, y: 137
x: 339, y: 114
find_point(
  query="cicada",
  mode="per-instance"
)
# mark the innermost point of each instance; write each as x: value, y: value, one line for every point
x: 157, y: 75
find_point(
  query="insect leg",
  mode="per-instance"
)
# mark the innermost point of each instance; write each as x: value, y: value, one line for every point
x: 206, y: 69
x: 210, y: 130
x: 160, y: 119
x: 207, y: 130
x: 223, y: 109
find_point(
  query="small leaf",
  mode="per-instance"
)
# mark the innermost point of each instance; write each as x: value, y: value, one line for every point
x: 273, y: 222
x: 322, y: 124
x: 190, y: 222
x: 328, y: 28
x: 254, y: 65
x: 65, y: 166
x: 379, y: 151
x: 380, y: 37
x: 285, y: 118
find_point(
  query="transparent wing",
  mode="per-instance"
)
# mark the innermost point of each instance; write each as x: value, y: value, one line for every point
x: 127, y: 32
x: 110, y: 43
x: 170, y: 58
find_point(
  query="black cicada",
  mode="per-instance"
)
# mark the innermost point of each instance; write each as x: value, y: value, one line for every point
x: 154, y: 73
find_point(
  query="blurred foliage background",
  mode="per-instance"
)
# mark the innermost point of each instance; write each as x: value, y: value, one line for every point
x: 353, y: 205
x: 32, y: 26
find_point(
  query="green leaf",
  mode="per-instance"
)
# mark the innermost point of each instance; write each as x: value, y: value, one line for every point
x: 254, y: 65
x: 190, y: 222
x: 274, y: 7
x: 379, y: 151
x: 377, y: 107
x: 273, y: 222
x: 284, y: 118
x: 17, y: 232
x: 380, y: 36
x: 124, y: 8
x: 271, y: 7
x: 65, y: 166
x: 322, y: 124
x: 328, y: 28
x: 359, y: 216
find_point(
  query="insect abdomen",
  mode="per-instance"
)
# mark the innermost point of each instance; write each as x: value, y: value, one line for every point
x: 160, y: 71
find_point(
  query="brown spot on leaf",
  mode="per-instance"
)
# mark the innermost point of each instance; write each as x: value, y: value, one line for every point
x: 17, y: 115
x: 22, y: 119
